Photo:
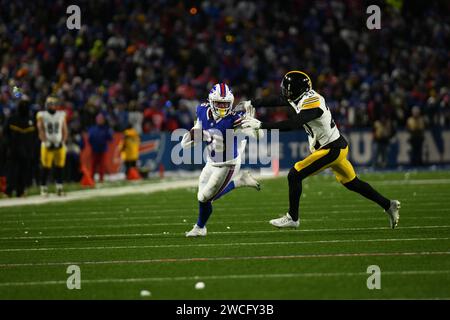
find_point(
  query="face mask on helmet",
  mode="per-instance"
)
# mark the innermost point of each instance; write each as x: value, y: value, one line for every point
x: 221, y: 100
x: 221, y: 109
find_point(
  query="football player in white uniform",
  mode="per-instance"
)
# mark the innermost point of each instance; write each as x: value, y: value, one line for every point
x: 221, y: 172
x: 328, y: 147
x: 53, y: 134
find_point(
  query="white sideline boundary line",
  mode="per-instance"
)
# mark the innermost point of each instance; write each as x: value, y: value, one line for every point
x: 228, y: 277
x: 90, y: 236
x: 106, y: 192
x: 233, y: 244
x: 233, y: 258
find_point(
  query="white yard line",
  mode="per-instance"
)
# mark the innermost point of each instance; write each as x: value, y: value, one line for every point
x: 232, y: 244
x: 122, y: 216
x: 90, y: 236
x: 150, y: 209
x: 22, y: 228
x: 234, y: 258
x: 229, y: 277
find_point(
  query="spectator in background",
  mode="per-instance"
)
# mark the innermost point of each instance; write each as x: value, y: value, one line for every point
x: 383, y: 132
x: 153, y: 119
x: 416, y: 129
x: 184, y: 116
x: 107, y: 65
x: 130, y: 151
x: 99, y: 136
x: 135, y: 116
x: 20, y: 136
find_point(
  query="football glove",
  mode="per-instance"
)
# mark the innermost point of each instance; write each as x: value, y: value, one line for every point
x: 247, y: 106
x: 250, y: 123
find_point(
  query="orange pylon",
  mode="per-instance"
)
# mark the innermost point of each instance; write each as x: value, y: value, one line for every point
x: 133, y: 174
x: 86, y: 180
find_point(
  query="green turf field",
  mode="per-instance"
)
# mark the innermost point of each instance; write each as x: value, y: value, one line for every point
x: 129, y: 243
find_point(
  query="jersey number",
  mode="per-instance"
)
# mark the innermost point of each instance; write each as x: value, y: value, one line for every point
x: 52, y: 127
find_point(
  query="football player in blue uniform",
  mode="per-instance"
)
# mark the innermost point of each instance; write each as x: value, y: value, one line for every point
x: 221, y: 173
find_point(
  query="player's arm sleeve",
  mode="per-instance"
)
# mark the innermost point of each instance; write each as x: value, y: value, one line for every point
x: 270, y: 102
x: 296, y: 122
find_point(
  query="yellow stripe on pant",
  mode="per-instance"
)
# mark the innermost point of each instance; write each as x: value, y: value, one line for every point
x: 323, y: 159
x: 50, y: 157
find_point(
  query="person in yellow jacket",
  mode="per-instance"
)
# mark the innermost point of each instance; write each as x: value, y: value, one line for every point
x: 130, y: 148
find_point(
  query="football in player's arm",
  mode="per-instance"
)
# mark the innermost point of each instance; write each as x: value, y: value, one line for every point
x: 53, y: 133
x: 221, y: 172
x: 328, y: 147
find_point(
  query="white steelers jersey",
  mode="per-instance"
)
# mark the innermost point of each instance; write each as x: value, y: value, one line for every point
x: 323, y: 130
x: 53, y: 124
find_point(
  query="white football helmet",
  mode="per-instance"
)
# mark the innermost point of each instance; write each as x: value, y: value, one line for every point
x: 221, y: 100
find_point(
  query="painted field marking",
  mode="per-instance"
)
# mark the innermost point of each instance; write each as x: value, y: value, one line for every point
x: 229, y: 277
x: 123, y: 217
x: 22, y: 228
x: 233, y: 258
x: 233, y: 244
x: 162, y: 186
x: 407, y: 205
x: 90, y: 236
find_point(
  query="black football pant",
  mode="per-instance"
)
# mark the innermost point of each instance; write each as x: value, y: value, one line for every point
x: 19, y: 169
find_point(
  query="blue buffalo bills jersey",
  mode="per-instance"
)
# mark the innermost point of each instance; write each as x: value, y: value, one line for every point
x: 219, y: 149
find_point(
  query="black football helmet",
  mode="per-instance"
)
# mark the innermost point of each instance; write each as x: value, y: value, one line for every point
x: 294, y: 85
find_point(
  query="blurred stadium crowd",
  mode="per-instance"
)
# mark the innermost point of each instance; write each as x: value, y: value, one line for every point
x: 147, y: 63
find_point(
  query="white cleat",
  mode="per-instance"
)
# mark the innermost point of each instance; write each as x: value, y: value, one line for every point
x: 247, y: 180
x: 285, y: 222
x: 393, y: 213
x: 44, y: 191
x: 196, y: 232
